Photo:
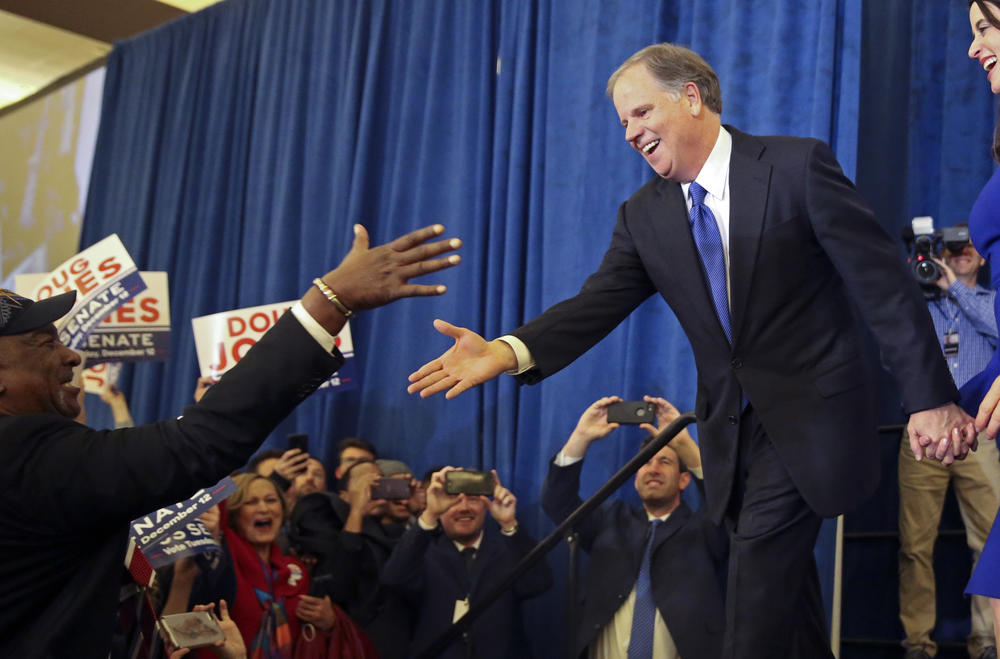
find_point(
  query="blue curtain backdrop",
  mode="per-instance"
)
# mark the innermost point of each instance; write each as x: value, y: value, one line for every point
x: 238, y: 145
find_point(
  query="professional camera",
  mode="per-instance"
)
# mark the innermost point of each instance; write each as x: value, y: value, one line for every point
x: 924, y: 244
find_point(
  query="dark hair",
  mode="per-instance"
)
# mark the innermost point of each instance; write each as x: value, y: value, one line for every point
x: 355, y: 442
x: 995, y: 22
x: 260, y: 457
x: 680, y: 462
x: 345, y: 478
x: 673, y: 67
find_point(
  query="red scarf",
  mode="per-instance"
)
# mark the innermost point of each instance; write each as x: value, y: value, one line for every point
x: 283, y: 581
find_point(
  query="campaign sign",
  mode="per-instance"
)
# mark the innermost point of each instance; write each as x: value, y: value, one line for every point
x: 98, y: 379
x: 103, y: 276
x: 171, y: 533
x: 137, y: 331
x: 222, y: 339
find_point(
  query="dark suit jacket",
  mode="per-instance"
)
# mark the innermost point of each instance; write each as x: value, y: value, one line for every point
x: 687, y: 566
x: 70, y: 491
x: 803, y: 247
x: 427, y: 569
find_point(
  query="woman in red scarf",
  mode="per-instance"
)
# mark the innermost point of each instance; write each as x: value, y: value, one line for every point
x: 271, y: 605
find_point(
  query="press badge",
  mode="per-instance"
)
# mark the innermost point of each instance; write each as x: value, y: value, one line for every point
x: 461, y: 608
x: 950, y: 344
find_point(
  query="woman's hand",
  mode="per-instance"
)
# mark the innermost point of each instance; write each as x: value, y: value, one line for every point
x: 317, y: 611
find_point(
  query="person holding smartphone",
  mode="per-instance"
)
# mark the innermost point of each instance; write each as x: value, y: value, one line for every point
x: 451, y: 555
x: 342, y: 537
x: 661, y: 559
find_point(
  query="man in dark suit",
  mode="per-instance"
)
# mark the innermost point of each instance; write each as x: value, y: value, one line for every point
x: 70, y: 491
x: 760, y: 245
x: 449, y: 558
x: 686, y: 553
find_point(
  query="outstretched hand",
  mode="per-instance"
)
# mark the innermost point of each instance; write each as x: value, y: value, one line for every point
x: 370, y: 277
x: 470, y: 361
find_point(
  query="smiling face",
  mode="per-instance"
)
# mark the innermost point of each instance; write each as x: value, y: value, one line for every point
x: 660, y: 481
x: 985, y: 46
x: 464, y: 520
x: 965, y: 263
x: 35, y: 374
x: 258, y: 519
x: 673, y: 131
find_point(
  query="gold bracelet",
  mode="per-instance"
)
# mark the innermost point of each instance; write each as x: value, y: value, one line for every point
x: 332, y: 297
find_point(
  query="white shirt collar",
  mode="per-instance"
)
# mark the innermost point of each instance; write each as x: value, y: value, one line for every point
x: 714, y: 174
x: 475, y: 545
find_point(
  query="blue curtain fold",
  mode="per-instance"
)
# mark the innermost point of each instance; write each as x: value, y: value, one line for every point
x: 238, y: 146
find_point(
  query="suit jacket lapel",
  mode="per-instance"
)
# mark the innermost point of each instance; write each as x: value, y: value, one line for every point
x: 672, y: 525
x: 748, y: 186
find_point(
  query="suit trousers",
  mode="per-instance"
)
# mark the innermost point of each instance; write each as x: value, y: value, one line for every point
x: 774, y: 607
x: 922, y: 488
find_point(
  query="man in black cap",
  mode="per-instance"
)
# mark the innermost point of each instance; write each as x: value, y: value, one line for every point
x: 71, y: 491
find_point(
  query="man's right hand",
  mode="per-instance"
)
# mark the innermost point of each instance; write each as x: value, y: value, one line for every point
x: 593, y: 425
x: 470, y: 361
x: 438, y: 501
x: 370, y: 277
x: 292, y: 463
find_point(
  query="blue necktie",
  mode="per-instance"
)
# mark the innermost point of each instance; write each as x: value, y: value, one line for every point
x: 640, y: 643
x: 709, y: 242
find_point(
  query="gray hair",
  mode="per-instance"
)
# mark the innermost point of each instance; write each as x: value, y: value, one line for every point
x: 674, y: 66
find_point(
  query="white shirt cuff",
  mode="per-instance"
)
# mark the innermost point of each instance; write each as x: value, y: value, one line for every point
x: 420, y: 521
x: 525, y: 362
x: 562, y: 460
x: 326, y: 340
x: 697, y: 472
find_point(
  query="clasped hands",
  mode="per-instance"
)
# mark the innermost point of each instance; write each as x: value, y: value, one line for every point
x: 944, y: 433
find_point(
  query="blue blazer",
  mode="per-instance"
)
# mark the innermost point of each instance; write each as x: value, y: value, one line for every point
x: 427, y: 569
x: 687, y: 568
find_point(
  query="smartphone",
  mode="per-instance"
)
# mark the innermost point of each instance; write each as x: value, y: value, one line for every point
x: 319, y: 586
x: 299, y: 441
x: 391, y: 488
x: 190, y: 630
x: 632, y: 412
x: 469, y: 482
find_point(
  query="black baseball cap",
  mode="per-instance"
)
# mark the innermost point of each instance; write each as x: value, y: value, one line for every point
x: 19, y: 314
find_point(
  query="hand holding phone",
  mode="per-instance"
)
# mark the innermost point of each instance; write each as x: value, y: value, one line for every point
x: 632, y: 412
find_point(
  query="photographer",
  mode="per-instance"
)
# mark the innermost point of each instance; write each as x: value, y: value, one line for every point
x: 965, y: 324
x: 450, y: 557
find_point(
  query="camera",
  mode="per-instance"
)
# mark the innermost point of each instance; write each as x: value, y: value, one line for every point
x: 924, y: 244
x: 632, y: 412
